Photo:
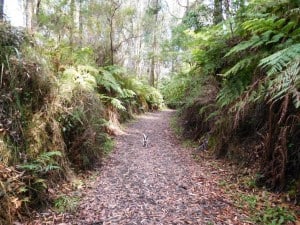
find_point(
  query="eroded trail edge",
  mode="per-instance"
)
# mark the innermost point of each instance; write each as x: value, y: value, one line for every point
x: 158, y: 184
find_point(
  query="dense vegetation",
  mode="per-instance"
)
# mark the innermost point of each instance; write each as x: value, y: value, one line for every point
x: 65, y: 90
x: 80, y: 68
x: 56, y: 121
x: 240, y: 86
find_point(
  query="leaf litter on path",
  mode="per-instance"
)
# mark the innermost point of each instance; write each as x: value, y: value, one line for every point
x: 158, y: 184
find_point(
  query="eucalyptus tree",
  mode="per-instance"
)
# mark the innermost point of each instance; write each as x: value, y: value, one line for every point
x: 153, y: 11
x: 122, y: 32
x: 153, y: 21
x: 1, y: 9
x: 108, y: 27
x: 218, y: 11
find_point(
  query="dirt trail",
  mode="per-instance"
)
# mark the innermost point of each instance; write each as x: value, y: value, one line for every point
x: 158, y: 184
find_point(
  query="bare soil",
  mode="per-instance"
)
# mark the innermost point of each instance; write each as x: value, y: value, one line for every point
x: 158, y: 184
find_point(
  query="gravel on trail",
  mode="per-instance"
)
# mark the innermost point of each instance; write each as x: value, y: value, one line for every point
x: 158, y: 184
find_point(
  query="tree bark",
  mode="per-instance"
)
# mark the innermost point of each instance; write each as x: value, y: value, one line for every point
x: 32, y: 10
x: 153, y: 58
x: 111, y: 37
x: 29, y: 15
x: 80, y: 23
x: 228, y: 15
x: 116, y: 6
x: 1, y: 10
x: 218, y: 17
x: 72, y: 25
x: 37, y: 12
x: 154, y: 46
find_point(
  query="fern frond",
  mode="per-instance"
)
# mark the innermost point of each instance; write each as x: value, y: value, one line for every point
x: 49, y: 155
x: 244, y: 45
x: 88, y: 69
x: 230, y: 92
x: 290, y: 26
x: 108, y: 81
x: 275, y: 39
x: 51, y: 167
x: 244, y: 63
x: 266, y: 38
x: 257, y: 26
x: 43, y: 163
x: 294, y: 12
x: 127, y: 93
x: 286, y: 83
x: 118, y: 104
x: 280, y: 59
x: 114, y: 70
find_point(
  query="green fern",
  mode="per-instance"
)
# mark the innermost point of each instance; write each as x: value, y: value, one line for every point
x: 44, y: 163
x: 230, y: 92
x: 118, y: 104
x: 244, y: 45
x: 108, y: 81
x: 286, y: 83
x: 264, y: 39
x: 280, y: 59
x: 261, y: 25
x: 242, y: 64
x: 127, y: 93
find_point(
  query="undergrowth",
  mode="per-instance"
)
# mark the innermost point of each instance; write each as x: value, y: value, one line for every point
x: 259, y: 205
x: 66, y: 203
x: 261, y: 211
x: 57, y: 117
x: 240, y: 87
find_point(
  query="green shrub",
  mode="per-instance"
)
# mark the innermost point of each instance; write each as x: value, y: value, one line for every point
x: 66, y: 203
x: 274, y: 216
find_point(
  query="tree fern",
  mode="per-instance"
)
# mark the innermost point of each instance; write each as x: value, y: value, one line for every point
x: 108, y: 81
x: 115, y: 70
x: 231, y: 91
x: 127, y: 93
x: 116, y: 103
x: 244, y: 45
x: 275, y: 39
x: 266, y: 38
x: 280, y: 59
x: 286, y: 83
x: 242, y: 64
x: 261, y: 25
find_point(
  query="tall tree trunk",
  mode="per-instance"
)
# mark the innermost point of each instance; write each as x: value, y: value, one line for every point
x: 37, y: 12
x: 228, y: 15
x: 154, y: 45
x: 111, y: 37
x: 32, y: 10
x: 152, y: 66
x: 29, y: 14
x: 115, y: 7
x: 80, y: 23
x: 1, y: 10
x: 72, y: 25
x: 218, y: 17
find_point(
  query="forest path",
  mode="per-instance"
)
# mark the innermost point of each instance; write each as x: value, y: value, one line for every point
x: 158, y: 184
